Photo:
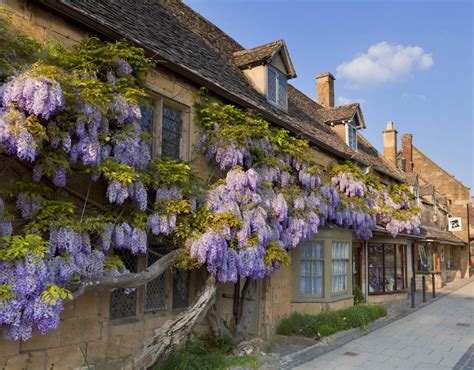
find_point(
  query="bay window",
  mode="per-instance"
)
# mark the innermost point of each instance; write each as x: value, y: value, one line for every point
x: 312, y: 266
x: 322, y: 267
x: 340, y: 266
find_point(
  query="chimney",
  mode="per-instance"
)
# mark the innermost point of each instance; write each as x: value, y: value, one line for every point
x: 390, y: 143
x: 325, y: 89
x: 407, y: 152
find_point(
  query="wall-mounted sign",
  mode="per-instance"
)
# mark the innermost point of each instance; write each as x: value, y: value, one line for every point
x: 454, y: 224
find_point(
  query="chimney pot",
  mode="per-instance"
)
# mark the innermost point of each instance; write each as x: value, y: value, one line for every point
x: 325, y: 89
x: 390, y: 143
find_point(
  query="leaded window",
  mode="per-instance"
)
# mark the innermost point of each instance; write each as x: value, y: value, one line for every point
x: 171, y: 132
x: 148, y: 122
x: 156, y: 290
x: 312, y: 268
x: 180, y: 289
x: 277, y: 87
x: 340, y: 266
x: 123, y: 302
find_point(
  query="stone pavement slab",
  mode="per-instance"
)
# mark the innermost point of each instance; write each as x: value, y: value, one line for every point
x: 438, y: 336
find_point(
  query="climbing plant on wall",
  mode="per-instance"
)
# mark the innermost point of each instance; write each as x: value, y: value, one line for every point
x: 76, y: 113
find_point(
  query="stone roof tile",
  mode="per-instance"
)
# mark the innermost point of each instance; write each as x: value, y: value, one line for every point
x: 176, y: 34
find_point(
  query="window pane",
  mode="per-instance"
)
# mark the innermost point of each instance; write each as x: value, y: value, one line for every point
x: 375, y: 268
x: 311, y: 268
x: 156, y: 292
x: 271, y: 93
x: 389, y: 267
x: 340, y: 263
x: 148, y: 122
x: 400, y: 267
x: 180, y: 289
x: 124, y: 305
x: 282, y: 90
x: 171, y: 132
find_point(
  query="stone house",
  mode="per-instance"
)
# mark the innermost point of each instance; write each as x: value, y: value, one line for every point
x: 471, y: 234
x: 441, y: 197
x: 102, y: 328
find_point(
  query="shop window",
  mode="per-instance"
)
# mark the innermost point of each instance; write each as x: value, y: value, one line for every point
x: 387, y: 268
x: 425, y: 258
x: 453, y: 257
x: 340, y: 265
x: 312, y: 266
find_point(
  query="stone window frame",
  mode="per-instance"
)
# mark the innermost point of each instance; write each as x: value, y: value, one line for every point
x: 325, y: 236
x: 159, y: 101
x: 140, y: 308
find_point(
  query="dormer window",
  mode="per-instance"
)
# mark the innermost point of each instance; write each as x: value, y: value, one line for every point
x: 268, y: 68
x: 276, y: 88
x: 351, y: 136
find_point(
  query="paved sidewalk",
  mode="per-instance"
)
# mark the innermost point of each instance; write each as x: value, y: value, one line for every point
x: 437, y: 336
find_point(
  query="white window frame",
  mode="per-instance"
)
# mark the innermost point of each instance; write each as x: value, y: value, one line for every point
x: 277, y: 103
x: 337, y: 261
x: 312, y: 274
x: 350, y: 126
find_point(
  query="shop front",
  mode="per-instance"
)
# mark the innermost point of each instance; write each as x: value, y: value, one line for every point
x: 438, y: 255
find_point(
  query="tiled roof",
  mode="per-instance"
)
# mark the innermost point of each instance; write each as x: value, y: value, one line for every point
x: 262, y: 53
x: 337, y: 114
x: 431, y: 233
x: 187, y: 43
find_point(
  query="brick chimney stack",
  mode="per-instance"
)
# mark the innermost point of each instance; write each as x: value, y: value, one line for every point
x: 390, y: 143
x: 325, y: 89
x: 407, y: 152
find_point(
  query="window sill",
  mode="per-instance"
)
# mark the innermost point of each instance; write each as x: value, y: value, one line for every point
x: 125, y: 320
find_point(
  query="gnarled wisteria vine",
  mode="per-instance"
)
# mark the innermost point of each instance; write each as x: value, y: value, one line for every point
x: 77, y: 113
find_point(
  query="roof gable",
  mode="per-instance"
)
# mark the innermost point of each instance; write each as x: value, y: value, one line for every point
x: 264, y: 54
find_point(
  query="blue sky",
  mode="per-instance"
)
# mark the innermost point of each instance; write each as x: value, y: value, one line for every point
x: 418, y: 71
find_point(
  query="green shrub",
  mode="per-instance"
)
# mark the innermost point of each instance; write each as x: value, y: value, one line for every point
x: 206, y: 352
x: 329, y: 322
x: 358, y: 295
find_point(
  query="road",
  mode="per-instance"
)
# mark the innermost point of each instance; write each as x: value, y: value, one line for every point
x: 438, y: 336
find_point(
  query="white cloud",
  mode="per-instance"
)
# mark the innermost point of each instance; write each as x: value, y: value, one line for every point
x: 384, y: 62
x: 341, y: 100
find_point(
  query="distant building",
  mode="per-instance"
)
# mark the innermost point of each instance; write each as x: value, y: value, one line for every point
x: 444, y: 205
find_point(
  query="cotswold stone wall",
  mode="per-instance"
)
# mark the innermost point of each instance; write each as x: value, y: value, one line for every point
x: 454, y: 190
x: 86, y: 336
